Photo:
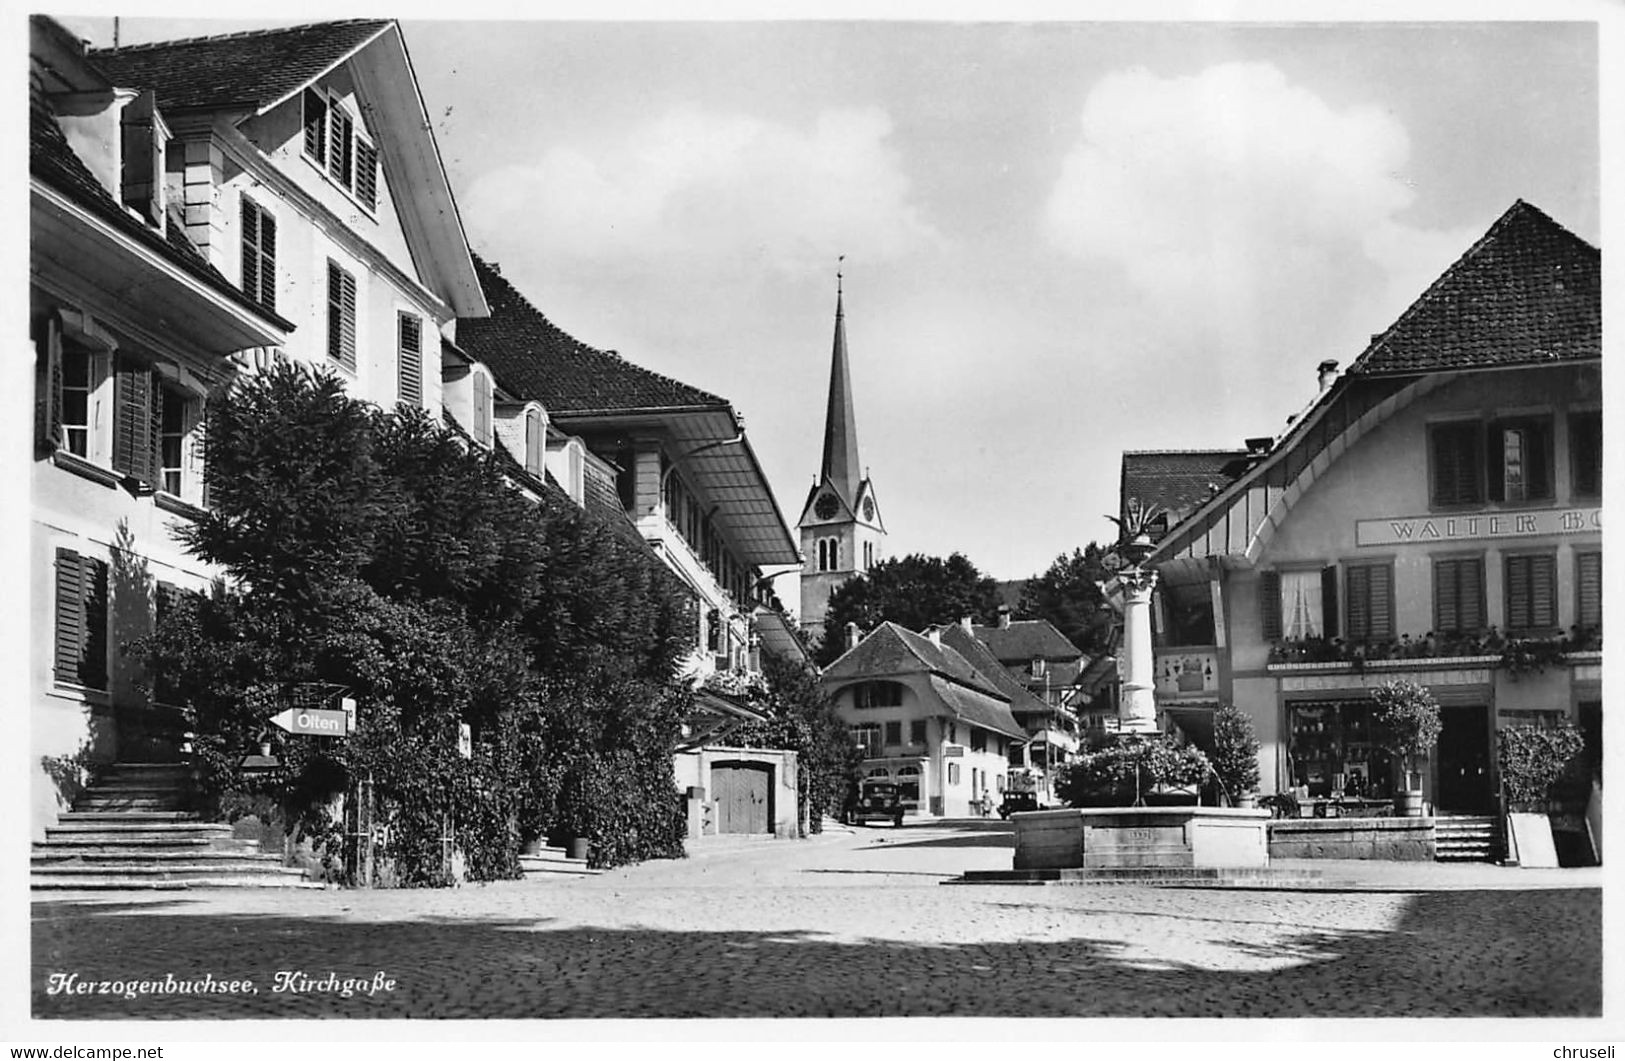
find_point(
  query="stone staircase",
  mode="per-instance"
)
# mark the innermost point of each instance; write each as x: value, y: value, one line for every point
x: 1468, y: 839
x: 554, y: 862
x: 131, y: 830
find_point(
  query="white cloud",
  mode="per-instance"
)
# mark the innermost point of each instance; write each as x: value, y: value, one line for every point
x: 1234, y: 194
x: 718, y: 189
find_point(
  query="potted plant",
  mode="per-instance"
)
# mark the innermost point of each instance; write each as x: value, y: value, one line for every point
x: 1410, y: 716
x: 1235, y: 755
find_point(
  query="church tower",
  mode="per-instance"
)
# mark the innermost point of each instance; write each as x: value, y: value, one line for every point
x: 841, y: 530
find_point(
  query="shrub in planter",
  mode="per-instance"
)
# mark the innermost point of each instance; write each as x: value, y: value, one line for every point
x: 1122, y: 774
x: 1534, y: 761
x: 1235, y: 752
x: 1410, y: 715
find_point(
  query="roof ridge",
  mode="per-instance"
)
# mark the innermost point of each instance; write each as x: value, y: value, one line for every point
x: 237, y: 35
x: 577, y: 345
x: 1519, y: 209
x: 1181, y: 452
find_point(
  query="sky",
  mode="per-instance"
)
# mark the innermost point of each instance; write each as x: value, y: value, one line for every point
x: 1062, y: 239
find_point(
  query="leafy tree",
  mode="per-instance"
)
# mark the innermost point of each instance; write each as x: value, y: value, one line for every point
x: 379, y: 552
x: 913, y: 591
x: 1068, y: 595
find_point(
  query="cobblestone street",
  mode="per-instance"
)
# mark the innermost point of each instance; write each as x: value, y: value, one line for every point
x: 852, y: 924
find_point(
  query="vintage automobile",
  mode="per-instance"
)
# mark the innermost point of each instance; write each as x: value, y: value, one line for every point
x: 1018, y: 801
x: 874, y: 801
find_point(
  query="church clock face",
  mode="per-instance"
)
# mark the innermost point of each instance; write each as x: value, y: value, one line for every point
x: 826, y: 506
x: 869, y: 508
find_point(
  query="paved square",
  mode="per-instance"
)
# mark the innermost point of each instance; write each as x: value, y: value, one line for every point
x: 852, y: 924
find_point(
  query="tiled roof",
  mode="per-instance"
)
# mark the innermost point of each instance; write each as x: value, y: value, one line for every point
x: 1528, y: 292
x: 535, y: 358
x: 1179, y: 481
x: 250, y: 69
x: 890, y: 650
x: 976, y: 709
x: 978, y: 655
x: 54, y: 162
x: 1025, y: 638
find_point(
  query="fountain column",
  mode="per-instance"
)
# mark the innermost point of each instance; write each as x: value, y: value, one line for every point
x: 1137, y: 707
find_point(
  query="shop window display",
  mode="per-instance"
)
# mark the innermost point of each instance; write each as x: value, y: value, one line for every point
x: 1335, y: 750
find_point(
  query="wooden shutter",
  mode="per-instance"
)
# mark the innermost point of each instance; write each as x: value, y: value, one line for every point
x: 366, y: 174
x: 259, y: 254
x: 411, y: 359
x: 48, y: 384
x: 81, y: 620
x: 1328, y: 601
x: 340, y: 316
x: 1381, y: 602
x: 1585, y: 453
x: 141, y: 164
x: 1538, y: 459
x: 1455, y: 463
x: 1474, y: 614
x: 315, y: 125
x: 1588, y: 590
x: 1269, y: 603
x: 134, y: 432
x: 1531, y: 593
x: 340, y: 161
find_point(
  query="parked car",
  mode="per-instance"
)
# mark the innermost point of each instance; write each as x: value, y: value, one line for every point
x: 874, y: 801
x: 1018, y: 801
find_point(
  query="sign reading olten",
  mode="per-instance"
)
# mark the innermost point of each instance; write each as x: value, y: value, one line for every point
x: 313, y: 722
x: 1477, y: 526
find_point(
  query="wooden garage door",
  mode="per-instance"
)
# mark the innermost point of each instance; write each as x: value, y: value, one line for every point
x: 744, y: 794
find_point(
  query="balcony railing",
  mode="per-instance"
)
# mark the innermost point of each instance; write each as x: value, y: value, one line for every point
x: 1516, y: 654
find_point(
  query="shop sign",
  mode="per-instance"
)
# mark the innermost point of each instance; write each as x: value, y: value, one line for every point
x: 1478, y: 526
x: 953, y: 751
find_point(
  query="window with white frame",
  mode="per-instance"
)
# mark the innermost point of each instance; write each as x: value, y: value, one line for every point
x: 333, y: 139
x: 80, y: 373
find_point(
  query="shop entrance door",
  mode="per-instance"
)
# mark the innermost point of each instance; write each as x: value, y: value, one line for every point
x: 1465, y: 785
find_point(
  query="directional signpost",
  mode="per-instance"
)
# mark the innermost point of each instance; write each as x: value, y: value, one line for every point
x: 314, y: 722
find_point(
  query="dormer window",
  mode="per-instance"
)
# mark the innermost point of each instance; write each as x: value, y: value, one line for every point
x: 335, y: 142
x: 143, y: 137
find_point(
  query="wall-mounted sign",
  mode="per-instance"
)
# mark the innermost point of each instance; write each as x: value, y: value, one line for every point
x: 313, y: 722
x: 953, y: 751
x: 1477, y: 526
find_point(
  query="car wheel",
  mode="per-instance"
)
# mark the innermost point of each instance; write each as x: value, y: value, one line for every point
x: 897, y: 822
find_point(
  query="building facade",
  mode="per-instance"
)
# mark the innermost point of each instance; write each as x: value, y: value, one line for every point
x: 925, y: 718
x: 1434, y: 515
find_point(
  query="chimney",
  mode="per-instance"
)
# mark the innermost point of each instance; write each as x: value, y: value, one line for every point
x: 934, y: 633
x: 966, y: 622
x: 851, y: 636
x: 1326, y: 372
x: 1004, y: 617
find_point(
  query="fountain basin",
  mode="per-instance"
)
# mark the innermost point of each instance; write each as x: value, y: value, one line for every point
x: 1141, y: 838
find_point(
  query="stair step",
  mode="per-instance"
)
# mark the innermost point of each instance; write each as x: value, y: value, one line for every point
x: 163, y: 871
x: 138, y: 828
x: 130, y: 816
x: 125, y: 860
x: 126, y: 883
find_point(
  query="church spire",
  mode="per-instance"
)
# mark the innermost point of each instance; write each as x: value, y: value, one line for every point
x: 840, y: 425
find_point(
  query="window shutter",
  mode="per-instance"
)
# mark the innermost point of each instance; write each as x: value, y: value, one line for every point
x: 1474, y: 615
x: 1543, y: 591
x: 1538, y: 458
x: 1446, y: 597
x: 1357, y: 581
x: 1269, y: 601
x: 366, y: 174
x: 339, y: 158
x: 48, y: 385
x: 250, y: 250
x: 81, y: 620
x: 134, y: 434
x: 1495, y: 461
x: 340, y: 316
x: 1588, y: 590
x: 1585, y: 452
x: 1328, y: 601
x: 1455, y: 463
x: 315, y: 125
x: 411, y: 359
x: 1381, y: 604
x: 141, y: 161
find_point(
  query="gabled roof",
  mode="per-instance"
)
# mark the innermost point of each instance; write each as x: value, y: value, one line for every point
x: 1026, y: 639
x: 890, y: 651
x: 537, y: 359
x: 53, y: 161
x: 1179, y: 480
x: 1528, y: 292
x: 253, y: 70
x: 978, y: 655
x: 248, y: 74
